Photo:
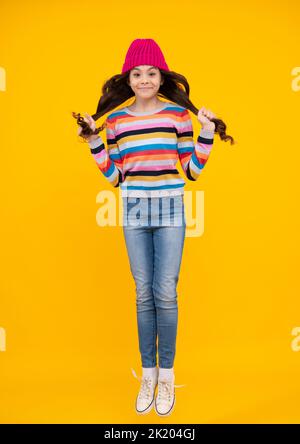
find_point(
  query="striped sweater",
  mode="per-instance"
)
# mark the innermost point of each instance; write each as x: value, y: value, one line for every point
x: 143, y: 149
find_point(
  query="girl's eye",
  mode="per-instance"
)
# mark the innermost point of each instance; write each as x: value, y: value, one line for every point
x: 152, y: 73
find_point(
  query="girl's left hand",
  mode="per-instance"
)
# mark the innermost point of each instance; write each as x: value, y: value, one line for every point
x: 204, y: 116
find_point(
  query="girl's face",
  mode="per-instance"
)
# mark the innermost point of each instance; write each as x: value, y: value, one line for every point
x: 145, y: 81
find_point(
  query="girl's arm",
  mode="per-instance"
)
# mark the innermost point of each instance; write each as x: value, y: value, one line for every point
x: 193, y: 157
x: 109, y: 162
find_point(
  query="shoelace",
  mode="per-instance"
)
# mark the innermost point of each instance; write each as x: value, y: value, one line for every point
x: 164, y: 391
x: 145, y: 390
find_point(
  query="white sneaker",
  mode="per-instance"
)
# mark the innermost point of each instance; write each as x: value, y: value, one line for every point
x: 145, y: 399
x: 165, y: 400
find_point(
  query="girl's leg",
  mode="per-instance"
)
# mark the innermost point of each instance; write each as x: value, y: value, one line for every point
x: 168, y: 247
x: 139, y: 243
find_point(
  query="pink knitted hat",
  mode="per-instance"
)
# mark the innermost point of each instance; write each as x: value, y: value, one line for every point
x: 144, y: 52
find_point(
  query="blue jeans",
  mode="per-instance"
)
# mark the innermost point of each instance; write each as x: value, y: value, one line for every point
x: 155, y: 254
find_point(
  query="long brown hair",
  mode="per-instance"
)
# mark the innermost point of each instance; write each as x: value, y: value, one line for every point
x: 175, y: 88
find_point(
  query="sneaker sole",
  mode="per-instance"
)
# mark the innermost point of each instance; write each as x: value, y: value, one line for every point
x: 167, y: 413
x: 147, y: 410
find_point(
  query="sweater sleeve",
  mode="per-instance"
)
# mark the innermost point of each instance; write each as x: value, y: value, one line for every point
x: 108, y: 161
x: 193, y: 157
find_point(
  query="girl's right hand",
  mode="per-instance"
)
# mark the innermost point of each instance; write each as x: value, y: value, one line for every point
x: 91, y: 122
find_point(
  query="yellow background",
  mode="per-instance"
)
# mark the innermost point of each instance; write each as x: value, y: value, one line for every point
x: 67, y: 295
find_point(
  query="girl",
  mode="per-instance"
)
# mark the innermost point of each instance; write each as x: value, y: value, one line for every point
x: 144, y: 142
